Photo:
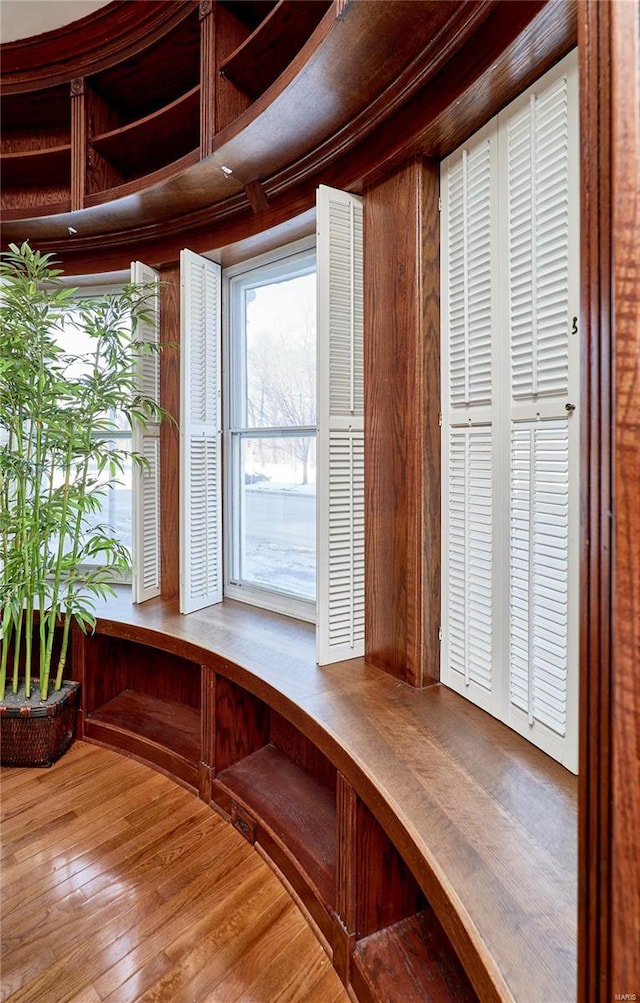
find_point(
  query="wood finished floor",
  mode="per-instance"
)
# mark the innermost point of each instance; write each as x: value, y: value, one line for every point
x: 118, y: 885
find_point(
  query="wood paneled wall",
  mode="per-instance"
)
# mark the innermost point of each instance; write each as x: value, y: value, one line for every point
x: 625, y: 745
x: 609, y: 886
x: 402, y: 434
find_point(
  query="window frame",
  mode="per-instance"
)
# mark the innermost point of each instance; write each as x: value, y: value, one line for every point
x: 269, y: 266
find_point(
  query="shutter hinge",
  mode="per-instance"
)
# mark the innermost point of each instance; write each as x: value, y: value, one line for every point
x: 440, y: 204
x: 440, y: 632
x: 440, y: 419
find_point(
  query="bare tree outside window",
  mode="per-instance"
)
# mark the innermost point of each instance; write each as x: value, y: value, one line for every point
x: 272, y: 435
x: 281, y: 363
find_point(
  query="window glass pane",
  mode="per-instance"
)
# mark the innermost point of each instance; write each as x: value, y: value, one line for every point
x: 76, y: 342
x: 280, y: 320
x: 116, y: 505
x: 114, y: 502
x: 276, y: 513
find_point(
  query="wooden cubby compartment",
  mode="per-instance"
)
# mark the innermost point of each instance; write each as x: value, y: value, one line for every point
x: 35, y: 150
x: 146, y: 703
x: 280, y: 792
x: 144, y: 113
x: 265, y: 53
x: 401, y: 951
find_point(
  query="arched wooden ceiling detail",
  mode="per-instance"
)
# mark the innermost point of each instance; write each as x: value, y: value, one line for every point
x: 373, y: 83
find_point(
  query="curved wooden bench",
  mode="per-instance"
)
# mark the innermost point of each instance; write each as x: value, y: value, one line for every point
x: 421, y: 836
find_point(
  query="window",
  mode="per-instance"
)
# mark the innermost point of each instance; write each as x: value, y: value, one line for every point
x: 510, y: 412
x: 270, y: 437
x: 113, y: 486
x: 273, y: 446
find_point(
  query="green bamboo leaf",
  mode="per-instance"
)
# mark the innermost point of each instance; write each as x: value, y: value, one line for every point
x: 59, y: 409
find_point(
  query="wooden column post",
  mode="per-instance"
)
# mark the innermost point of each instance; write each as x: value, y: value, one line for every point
x: 609, y: 869
x: 344, y: 936
x: 402, y: 434
x: 207, y: 77
x: 78, y: 143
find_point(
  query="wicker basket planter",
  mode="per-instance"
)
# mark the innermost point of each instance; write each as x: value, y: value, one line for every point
x: 33, y: 733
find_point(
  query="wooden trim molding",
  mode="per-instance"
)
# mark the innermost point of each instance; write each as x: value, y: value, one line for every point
x: 207, y: 78
x: 78, y: 142
x: 595, y: 640
x: 625, y: 694
x: 609, y: 791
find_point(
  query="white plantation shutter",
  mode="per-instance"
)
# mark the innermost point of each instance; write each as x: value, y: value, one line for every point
x: 469, y: 263
x: 146, y: 442
x: 340, y: 442
x: 540, y: 571
x: 510, y: 415
x: 537, y: 141
x: 470, y: 599
x: 469, y: 267
x: 540, y: 232
x: 200, y: 434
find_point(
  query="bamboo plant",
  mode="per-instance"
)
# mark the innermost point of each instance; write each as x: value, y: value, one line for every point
x: 57, y: 412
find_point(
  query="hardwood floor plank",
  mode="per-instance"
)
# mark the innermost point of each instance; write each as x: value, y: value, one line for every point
x: 277, y: 980
x: 91, y: 874
x: 129, y: 888
x: 46, y: 792
x: 136, y: 948
x: 140, y: 980
x: 199, y: 971
x: 91, y: 828
x: 88, y: 995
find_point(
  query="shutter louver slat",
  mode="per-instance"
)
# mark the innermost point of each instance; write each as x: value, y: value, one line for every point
x: 151, y: 504
x: 469, y: 270
x: 146, y: 564
x: 540, y: 570
x: 340, y: 441
x: 470, y: 555
x: 538, y: 238
x: 346, y: 536
x: 200, y: 480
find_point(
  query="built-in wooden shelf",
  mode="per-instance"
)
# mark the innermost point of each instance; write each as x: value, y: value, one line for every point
x: 295, y: 806
x: 35, y: 152
x: 249, y: 12
x: 43, y: 168
x: 35, y: 119
x: 165, y: 722
x: 156, y: 76
x: 164, y: 733
x: 433, y: 848
x: 268, y: 50
x: 425, y: 968
x: 120, y: 188
x: 372, y: 84
x: 143, y: 146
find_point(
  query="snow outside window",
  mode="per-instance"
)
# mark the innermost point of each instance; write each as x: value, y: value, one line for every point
x: 270, y: 431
